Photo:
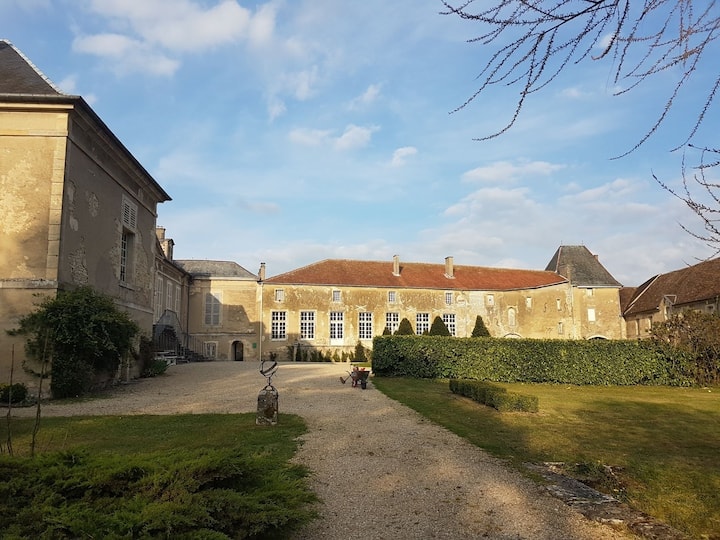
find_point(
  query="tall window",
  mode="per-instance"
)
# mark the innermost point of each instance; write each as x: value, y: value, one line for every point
x: 336, y: 296
x: 448, y: 299
x: 128, y: 216
x: 126, y: 256
x: 168, y: 295
x: 561, y: 330
x: 213, y: 303
x: 307, y: 325
x: 392, y: 321
x: 279, y: 295
x: 278, y: 328
x: 158, y: 297
x: 392, y: 297
x: 177, y: 299
x: 336, y: 325
x: 422, y: 323
x: 528, y: 302
x: 365, y: 325
x: 511, y: 317
x: 591, y: 314
x: 449, y: 320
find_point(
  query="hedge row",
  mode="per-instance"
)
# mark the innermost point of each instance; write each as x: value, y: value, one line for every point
x: 494, y: 396
x: 595, y: 362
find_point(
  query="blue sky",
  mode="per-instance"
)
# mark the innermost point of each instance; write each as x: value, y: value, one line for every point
x: 292, y: 131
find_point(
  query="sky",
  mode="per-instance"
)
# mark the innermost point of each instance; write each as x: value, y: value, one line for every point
x: 292, y: 131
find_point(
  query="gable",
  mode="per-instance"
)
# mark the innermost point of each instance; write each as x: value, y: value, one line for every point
x: 19, y: 76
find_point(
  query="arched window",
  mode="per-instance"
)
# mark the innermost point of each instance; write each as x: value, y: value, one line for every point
x: 511, y: 317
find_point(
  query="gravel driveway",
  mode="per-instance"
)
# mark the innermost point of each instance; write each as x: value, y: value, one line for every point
x: 393, y: 476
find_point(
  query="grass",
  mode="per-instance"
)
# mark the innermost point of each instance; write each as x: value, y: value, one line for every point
x: 662, y: 444
x: 200, y: 476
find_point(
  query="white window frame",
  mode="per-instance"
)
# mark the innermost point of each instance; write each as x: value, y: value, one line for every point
x: 177, y: 299
x: 422, y: 323
x: 336, y: 296
x: 392, y: 321
x: 591, y: 314
x: 448, y: 298
x: 449, y: 320
x: 365, y: 325
x: 168, y: 295
x: 279, y: 295
x: 210, y: 349
x: 278, y: 325
x: 337, y: 327
x: 392, y: 297
x: 528, y: 302
x: 307, y: 325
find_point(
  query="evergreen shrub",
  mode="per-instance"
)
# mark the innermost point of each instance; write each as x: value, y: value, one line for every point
x: 494, y: 396
x: 13, y: 393
x: 594, y: 362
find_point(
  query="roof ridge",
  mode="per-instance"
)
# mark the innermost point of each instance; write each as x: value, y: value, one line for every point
x: 33, y: 66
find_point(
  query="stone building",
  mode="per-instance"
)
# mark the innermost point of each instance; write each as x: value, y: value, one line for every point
x: 696, y: 287
x: 77, y: 207
x: 334, y: 304
x: 223, y: 310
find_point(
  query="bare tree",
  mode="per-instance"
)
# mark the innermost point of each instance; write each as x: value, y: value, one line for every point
x: 532, y: 41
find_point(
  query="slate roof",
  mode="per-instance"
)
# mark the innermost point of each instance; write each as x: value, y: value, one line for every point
x: 22, y: 82
x: 219, y: 269
x: 686, y: 286
x: 581, y: 267
x: 20, y: 76
x: 353, y: 273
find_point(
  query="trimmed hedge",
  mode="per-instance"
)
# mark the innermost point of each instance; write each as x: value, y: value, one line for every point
x: 494, y: 396
x: 594, y: 362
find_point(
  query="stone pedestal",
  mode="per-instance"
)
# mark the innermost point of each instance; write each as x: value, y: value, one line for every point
x: 267, y: 409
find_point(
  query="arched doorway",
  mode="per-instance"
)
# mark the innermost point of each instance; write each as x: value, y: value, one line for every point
x: 237, y: 351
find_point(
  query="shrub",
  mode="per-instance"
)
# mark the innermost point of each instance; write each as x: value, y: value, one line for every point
x: 82, y: 333
x: 155, y: 368
x: 13, y: 393
x: 494, y: 396
x: 404, y: 328
x: 595, y: 362
x: 438, y: 328
x: 480, y: 330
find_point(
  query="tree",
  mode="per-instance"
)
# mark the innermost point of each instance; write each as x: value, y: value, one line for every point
x: 480, y: 330
x: 697, y: 335
x: 404, y: 328
x: 532, y: 42
x: 439, y: 328
x: 82, y: 334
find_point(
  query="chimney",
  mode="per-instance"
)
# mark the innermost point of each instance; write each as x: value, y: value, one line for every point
x: 396, y: 265
x: 261, y: 272
x: 449, y: 268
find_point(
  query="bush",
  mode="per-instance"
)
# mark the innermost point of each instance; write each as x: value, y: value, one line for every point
x: 438, y: 328
x: 13, y: 393
x: 494, y: 396
x: 82, y: 334
x: 595, y: 362
x: 155, y: 368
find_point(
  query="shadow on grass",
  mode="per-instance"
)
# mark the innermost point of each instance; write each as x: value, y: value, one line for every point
x: 661, y: 444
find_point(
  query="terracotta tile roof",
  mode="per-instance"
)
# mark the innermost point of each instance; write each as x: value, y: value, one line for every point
x: 225, y: 269
x: 692, y: 284
x: 19, y: 76
x: 581, y: 267
x: 352, y: 273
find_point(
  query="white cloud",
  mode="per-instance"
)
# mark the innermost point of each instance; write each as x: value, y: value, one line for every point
x: 354, y: 137
x: 309, y: 137
x: 128, y: 55
x: 614, y: 191
x: 504, y: 171
x: 148, y: 35
x: 276, y: 108
x: 369, y: 96
x: 401, y: 154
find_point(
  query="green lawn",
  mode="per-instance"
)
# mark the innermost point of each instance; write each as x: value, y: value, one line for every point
x: 200, y: 476
x: 663, y: 443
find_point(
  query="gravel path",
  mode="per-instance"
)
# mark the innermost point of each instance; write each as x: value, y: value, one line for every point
x: 394, y: 475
